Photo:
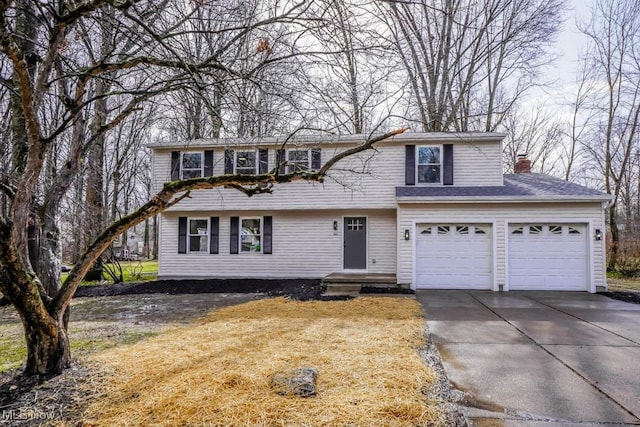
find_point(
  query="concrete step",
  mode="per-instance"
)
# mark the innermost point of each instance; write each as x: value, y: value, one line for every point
x: 344, y: 287
x: 331, y: 294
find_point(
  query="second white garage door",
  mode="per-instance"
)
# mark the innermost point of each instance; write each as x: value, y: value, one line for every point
x: 548, y: 257
x: 453, y: 256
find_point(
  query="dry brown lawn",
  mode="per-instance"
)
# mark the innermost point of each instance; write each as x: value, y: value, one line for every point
x: 216, y: 371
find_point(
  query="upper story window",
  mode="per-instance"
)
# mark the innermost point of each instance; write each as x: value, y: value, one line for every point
x: 429, y: 165
x: 297, y: 160
x: 246, y: 162
x: 191, y: 165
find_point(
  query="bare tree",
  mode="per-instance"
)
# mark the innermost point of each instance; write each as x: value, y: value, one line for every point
x: 614, y: 104
x: 352, y: 74
x: 51, y: 65
x: 469, y: 61
x: 538, y: 135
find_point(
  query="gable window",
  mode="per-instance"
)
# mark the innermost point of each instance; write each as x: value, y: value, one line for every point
x: 246, y: 162
x: 251, y: 235
x: 198, y: 235
x: 191, y: 165
x: 429, y: 165
x: 297, y: 161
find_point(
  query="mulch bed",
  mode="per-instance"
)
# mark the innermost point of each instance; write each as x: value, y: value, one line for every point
x: 299, y: 289
x: 632, y: 297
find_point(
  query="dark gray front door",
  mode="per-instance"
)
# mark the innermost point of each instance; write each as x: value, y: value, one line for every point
x: 355, y: 243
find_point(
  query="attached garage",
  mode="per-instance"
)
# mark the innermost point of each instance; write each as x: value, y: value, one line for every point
x: 548, y: 257
x: 453, y: 256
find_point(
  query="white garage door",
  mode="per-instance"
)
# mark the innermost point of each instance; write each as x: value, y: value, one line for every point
x: 453, y: 256
x: 548, y: 257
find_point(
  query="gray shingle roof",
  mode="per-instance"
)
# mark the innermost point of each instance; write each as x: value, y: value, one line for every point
x: 516, y: 186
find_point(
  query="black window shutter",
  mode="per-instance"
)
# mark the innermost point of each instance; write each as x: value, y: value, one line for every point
x: 214, y: 234
x: 208, y: 163
x: 228, y: 162
x: 316, y: 159
x: 182, y: 235
x: 410, y: 165
x: 280, y: 159
x: 263, y: 163
x: 447, y: 164
x: 175, y: 165
x: 234, y: 235
x: 267, y: 235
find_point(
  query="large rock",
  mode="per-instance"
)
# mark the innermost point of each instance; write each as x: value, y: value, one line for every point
x: 298, y: 382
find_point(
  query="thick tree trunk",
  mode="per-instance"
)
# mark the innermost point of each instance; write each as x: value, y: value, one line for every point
x: 48, y: 350
x: 48, y: 267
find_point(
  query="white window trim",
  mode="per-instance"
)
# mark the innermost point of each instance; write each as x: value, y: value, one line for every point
x: 182, y: 162
x: 309, y: 155
x: 189, y: 219
x: 242, y: 218
x: 235, y: 160
x: 440, y: 147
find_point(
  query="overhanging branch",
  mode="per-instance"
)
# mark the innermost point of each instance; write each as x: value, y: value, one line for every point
x: 175, y: 191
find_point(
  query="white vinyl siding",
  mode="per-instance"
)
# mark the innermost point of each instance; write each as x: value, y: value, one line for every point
x: 477, y: 164
x: 304, y: 245
x: 500, y: 215
x: 372, y: 186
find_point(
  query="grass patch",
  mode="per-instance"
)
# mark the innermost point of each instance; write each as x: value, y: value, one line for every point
x: 216, y: 371
x: 132, y: 271
x: 623, y: 285
x: 84, y: 340
x: 88, y: 345
x: 13, y: 353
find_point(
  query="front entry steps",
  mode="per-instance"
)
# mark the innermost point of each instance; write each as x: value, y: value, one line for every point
x: 351, y: 284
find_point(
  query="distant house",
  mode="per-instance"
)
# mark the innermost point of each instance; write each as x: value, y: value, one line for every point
x: 433, y: 209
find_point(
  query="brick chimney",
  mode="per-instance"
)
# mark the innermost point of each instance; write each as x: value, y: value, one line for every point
x: 523, y: 165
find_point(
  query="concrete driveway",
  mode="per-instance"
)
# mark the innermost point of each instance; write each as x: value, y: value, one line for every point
x: 539, y: 358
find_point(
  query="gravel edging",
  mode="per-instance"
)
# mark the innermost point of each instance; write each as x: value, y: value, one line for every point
x: 443, y: 393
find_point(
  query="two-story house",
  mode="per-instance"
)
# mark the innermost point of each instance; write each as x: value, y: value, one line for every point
x: 433, y: 209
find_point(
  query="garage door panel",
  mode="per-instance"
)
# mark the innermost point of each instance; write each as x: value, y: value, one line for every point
x: 453, y: 256
x: 547, y: 257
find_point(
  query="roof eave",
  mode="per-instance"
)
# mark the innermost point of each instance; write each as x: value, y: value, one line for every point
x: 499, y: 199
x: 409, y: 137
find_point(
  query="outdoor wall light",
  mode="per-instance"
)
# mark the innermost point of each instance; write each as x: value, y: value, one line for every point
x: 598, y: 234
x: 406, y: 234
x: 335, y: 225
